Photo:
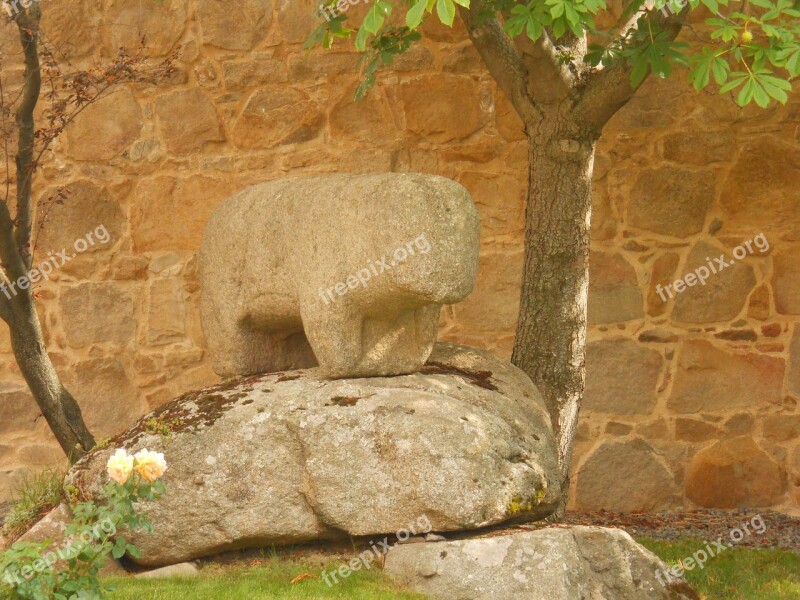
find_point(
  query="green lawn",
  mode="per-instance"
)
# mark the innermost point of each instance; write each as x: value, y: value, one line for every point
x: 737, y: 574
x: 270, y: 579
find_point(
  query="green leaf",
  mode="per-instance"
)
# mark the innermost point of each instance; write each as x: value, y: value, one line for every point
x: 761, y: 97
x: 746, y: 93
x: 446, y: 10
x: 415, y: 14
x: 361, y: 38
x: 720, y: 69
x: 734, y: 83
x: 376, y: 16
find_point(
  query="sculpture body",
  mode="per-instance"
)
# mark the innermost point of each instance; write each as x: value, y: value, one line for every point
x: 349, y: 271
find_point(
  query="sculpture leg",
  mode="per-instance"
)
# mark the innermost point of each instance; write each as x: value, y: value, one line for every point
x: 400, y: 345
x: 242, y: 348
x: 334, y: 333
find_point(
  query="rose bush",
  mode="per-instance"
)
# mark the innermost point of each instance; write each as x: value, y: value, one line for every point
x: 37, y: 571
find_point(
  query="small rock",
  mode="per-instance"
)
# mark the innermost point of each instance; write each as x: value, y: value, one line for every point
x: 412, y: 540
x: 186, y: 569
x: 560, y: 563
x: 435, y: 537
x: 737, y: 335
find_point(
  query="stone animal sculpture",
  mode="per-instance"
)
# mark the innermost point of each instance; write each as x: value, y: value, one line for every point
x: 346, y: 271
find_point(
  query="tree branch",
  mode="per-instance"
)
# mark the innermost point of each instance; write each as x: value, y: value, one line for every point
x: 502, y: 59
x: 554, y: 81
x: 28, y: 24
x: 609, y: 89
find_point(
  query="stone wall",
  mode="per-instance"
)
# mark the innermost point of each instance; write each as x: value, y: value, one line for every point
x: 689, y: 402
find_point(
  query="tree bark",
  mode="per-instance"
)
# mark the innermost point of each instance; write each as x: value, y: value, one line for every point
x: 59, y: 408
x: 551, y: 332
x: 17, y: 307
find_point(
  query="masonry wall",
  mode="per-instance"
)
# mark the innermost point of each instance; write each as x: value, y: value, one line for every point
x: 689, y: 402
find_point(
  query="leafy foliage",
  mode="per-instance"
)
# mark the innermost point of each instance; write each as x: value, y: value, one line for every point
x: 32, y: 498
x: 753, y: 54
x: 34, y: 571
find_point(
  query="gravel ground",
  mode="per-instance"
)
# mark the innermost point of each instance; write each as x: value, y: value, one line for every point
x: 779, y: 531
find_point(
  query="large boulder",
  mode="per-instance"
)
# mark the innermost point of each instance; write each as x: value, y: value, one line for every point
x: 291, y: 457
x: 557, y: 563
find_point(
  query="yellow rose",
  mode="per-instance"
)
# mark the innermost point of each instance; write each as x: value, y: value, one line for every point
x: 150, y: 465
x: 120, y: 466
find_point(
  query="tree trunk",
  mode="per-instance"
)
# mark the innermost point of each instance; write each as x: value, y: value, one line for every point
x: 57, y: 405
x: 551, y: 332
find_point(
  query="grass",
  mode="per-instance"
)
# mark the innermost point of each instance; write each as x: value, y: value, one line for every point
x: 33, y: 497
x: 271, y: 579
x: 738, y: 573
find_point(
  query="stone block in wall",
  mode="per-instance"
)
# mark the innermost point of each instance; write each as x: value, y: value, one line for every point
x: 106, y: 395
x: 166, y: 312
x: 759, y: 307
x: 794, y: 363
x: 786, y: 281
x: 370, y: 120
x: 88, y: 209
x: 614, y: 293
x: 277, y: 115
x: 5, y: 339
x: 735, y: 473
x: 494, y: 304
x: 187, y: 120
x: 626, y: 477
x: 234, y: 28
x: 18, y: 409
x: 430, y: 112
x: 724, y: 294
x: 10, y: 476
x: 604, y: 220
x: 760, y: 193
x: 663, y: 273
x: 740, y: 424
x: 507, y: 121
x: 671, y: 201
x: 699, y: 148
x: 170, y: 213
x: 259, y: 69
x: 696, y: 430
x: 41, y: 454
x: 97, y: 312
x: 104, y: 129
x: 621, y: 377
x: 646, y: 108
x: 298, y: 19
x: 500, y: 200
x: 73, y: 26
x: 711, y: 379
x: 781, y: 428
x: 322, y: 64
x: 160, y: 24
